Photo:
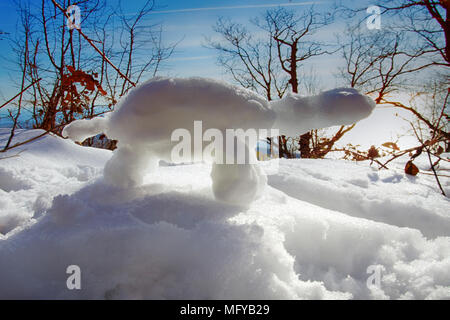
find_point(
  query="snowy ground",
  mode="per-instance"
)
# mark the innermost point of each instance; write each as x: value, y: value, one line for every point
x: 318, y: 227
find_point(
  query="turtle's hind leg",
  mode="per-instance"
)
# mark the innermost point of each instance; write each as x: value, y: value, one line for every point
x: 128, y: 166
x: 238, y: 183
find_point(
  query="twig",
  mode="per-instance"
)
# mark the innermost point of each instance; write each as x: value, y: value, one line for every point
x: 432, y: 174
x: 419, y: 116
x: 31, y: 139
x: 434, y: 171
x: 22, y: 91
x: 13, y: 156
x: 402, y: 153
x: 363, y: 156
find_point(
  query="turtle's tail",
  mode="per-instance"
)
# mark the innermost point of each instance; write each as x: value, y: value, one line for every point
x: 80, y: 130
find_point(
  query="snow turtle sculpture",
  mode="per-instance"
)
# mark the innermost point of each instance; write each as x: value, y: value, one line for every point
x: 145, y: 120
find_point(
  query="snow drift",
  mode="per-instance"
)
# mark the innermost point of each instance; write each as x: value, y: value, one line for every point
x: 170, y: 239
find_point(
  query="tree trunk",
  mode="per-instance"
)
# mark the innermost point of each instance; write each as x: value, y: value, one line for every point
x: 304, y: 145
x: 305, y: 150
x: 293, y: 65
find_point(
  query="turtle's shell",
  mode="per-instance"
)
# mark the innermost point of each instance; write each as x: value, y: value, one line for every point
x: 159, y: 106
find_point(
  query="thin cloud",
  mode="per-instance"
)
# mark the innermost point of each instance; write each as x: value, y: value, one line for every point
x: 190, y: 58
x: 250, y: 6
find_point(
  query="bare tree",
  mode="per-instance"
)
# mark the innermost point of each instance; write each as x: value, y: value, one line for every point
x: 291, y: 32
x: 81, y: 73
x: 428, y: 19
x: 410, y: 53
x: 380, y: 63
x: 250, y: 60
x: 26, y: 22
x: 252, y: 63
x: 269, y: 60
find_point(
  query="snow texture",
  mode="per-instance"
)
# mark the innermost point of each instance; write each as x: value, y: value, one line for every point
x: 145, y: 119
x: 312, y: 234
x: 39, y: 171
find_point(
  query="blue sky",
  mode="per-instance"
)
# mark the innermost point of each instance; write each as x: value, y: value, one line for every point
x: 194, y: 21
x: 190, y: 22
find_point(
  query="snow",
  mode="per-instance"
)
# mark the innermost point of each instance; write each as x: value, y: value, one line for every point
x: 39, y: 171
x: 298, y: 114
x: 86, y: 128
x: 247, y: 183
x: 145, y: 121
x: 313, y: 233
x: 388, y: 196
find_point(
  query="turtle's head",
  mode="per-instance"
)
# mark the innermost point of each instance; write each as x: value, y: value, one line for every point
x: 344, y: 106
x: 298, y: 114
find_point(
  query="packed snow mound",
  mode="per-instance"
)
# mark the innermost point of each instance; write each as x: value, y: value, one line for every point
x: 170, y: 239
x: 153, y: 110
x: 147, y: 119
